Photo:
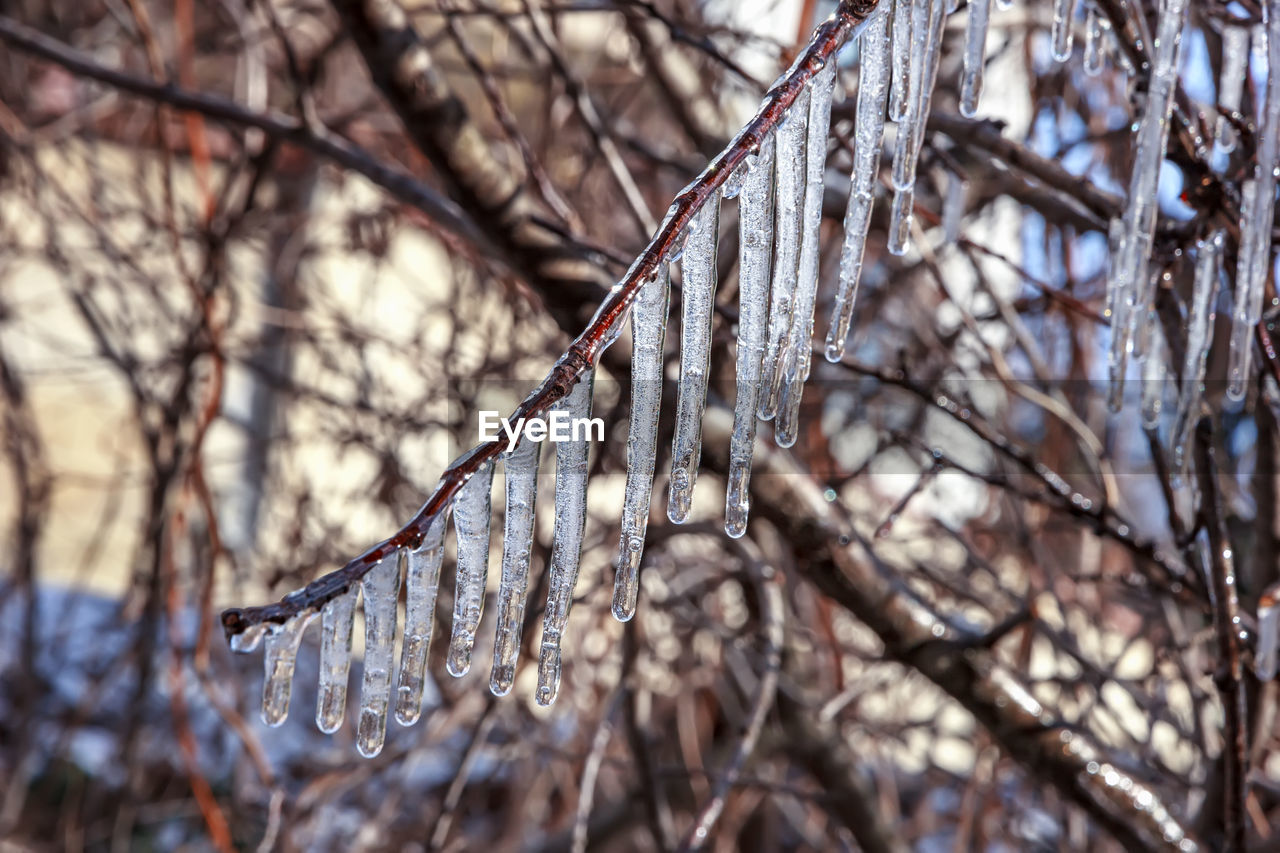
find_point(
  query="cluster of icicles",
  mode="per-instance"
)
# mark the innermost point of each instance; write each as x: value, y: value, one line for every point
x: 779, y: 189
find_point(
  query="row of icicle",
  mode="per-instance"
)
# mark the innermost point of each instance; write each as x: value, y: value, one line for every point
x: 779, y: 190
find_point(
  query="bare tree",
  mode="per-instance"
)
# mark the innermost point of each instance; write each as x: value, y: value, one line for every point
x: 997, y: 571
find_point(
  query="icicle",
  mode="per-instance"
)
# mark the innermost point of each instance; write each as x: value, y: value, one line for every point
x: 335, y: 660
x: 1255, y: 223
x: 868, y: 138
x: 975, y: 46
x: 926, y: 51
x: 520, y: 470
x: 1134, y: 286
x: 1063, y: 13
x: 249, y: 639
x: 911, y: 129
x: 471, y: 516
x: 1241, y: 341
x: 380, y: 590
x: 648, y: 333
x: 566, y: 548
x: 789, y: 177
x: 953, y: 206
x: 697, y: 303
x: 1235, y: 69
x: 1120, y: 300
x: 1153, y: 376
x: 900, y: 213
x: 1264, y: 657
x: 421, y: 584
x: 279, y: 660
x: 1094, y: 42
x: 1199, y: 338
x: 755, y: 241
x: 899, y: 92
x: 799, y: 349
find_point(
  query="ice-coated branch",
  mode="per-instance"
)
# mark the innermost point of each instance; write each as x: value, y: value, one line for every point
x: 827, y: 39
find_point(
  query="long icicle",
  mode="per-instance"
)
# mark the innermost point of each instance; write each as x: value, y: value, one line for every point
x: 648, y: 335
x: 566, y: 548
x: 911, y: 131
x: 900, y: 91
x: 1064, y: 12
x: 336, y: 620
x: 380, y: 590
x: 799, y: 350
x: 520, y: 470
x: 279, y: 661
x: 1153, y: 377
x: 1255, y: 230
x: 421, y: 585
x: 789, y: 178
x: 471, y: 517
x: 1134, y: 287
x: 1094, y: 41
x: 755, y: 242
x: 975, y: 49
x: 697, y: 302
x: 868, y: 138
x: 1204, y: 298
x: 1235, y: 70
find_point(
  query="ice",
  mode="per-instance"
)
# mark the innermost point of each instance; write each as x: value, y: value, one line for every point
x: 868, y: 138
x: 789, y: 180
x: 279, y: 659
x: 648, y: 333
x: 975, y: 46
x: 566, y: 548
x: 1235, y: 69
x: 1153, y: 375
x: 901, y: 54
x: 335, y: 660
x: 928, y: 42
x: 755, y: 242
x: 521, y: 473
x: 697, y: 303
x: 1199, y: 337
x: 471, y: 516
x: 1255, y: 222
x: 1094, y: 42
x: 421, y: 584
x: 380, y: 590
x: 1064, y: 11
x: 798, y: 351
x: 1133, y: 285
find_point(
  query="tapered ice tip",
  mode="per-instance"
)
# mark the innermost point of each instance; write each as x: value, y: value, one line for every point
x: 371, y: 734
